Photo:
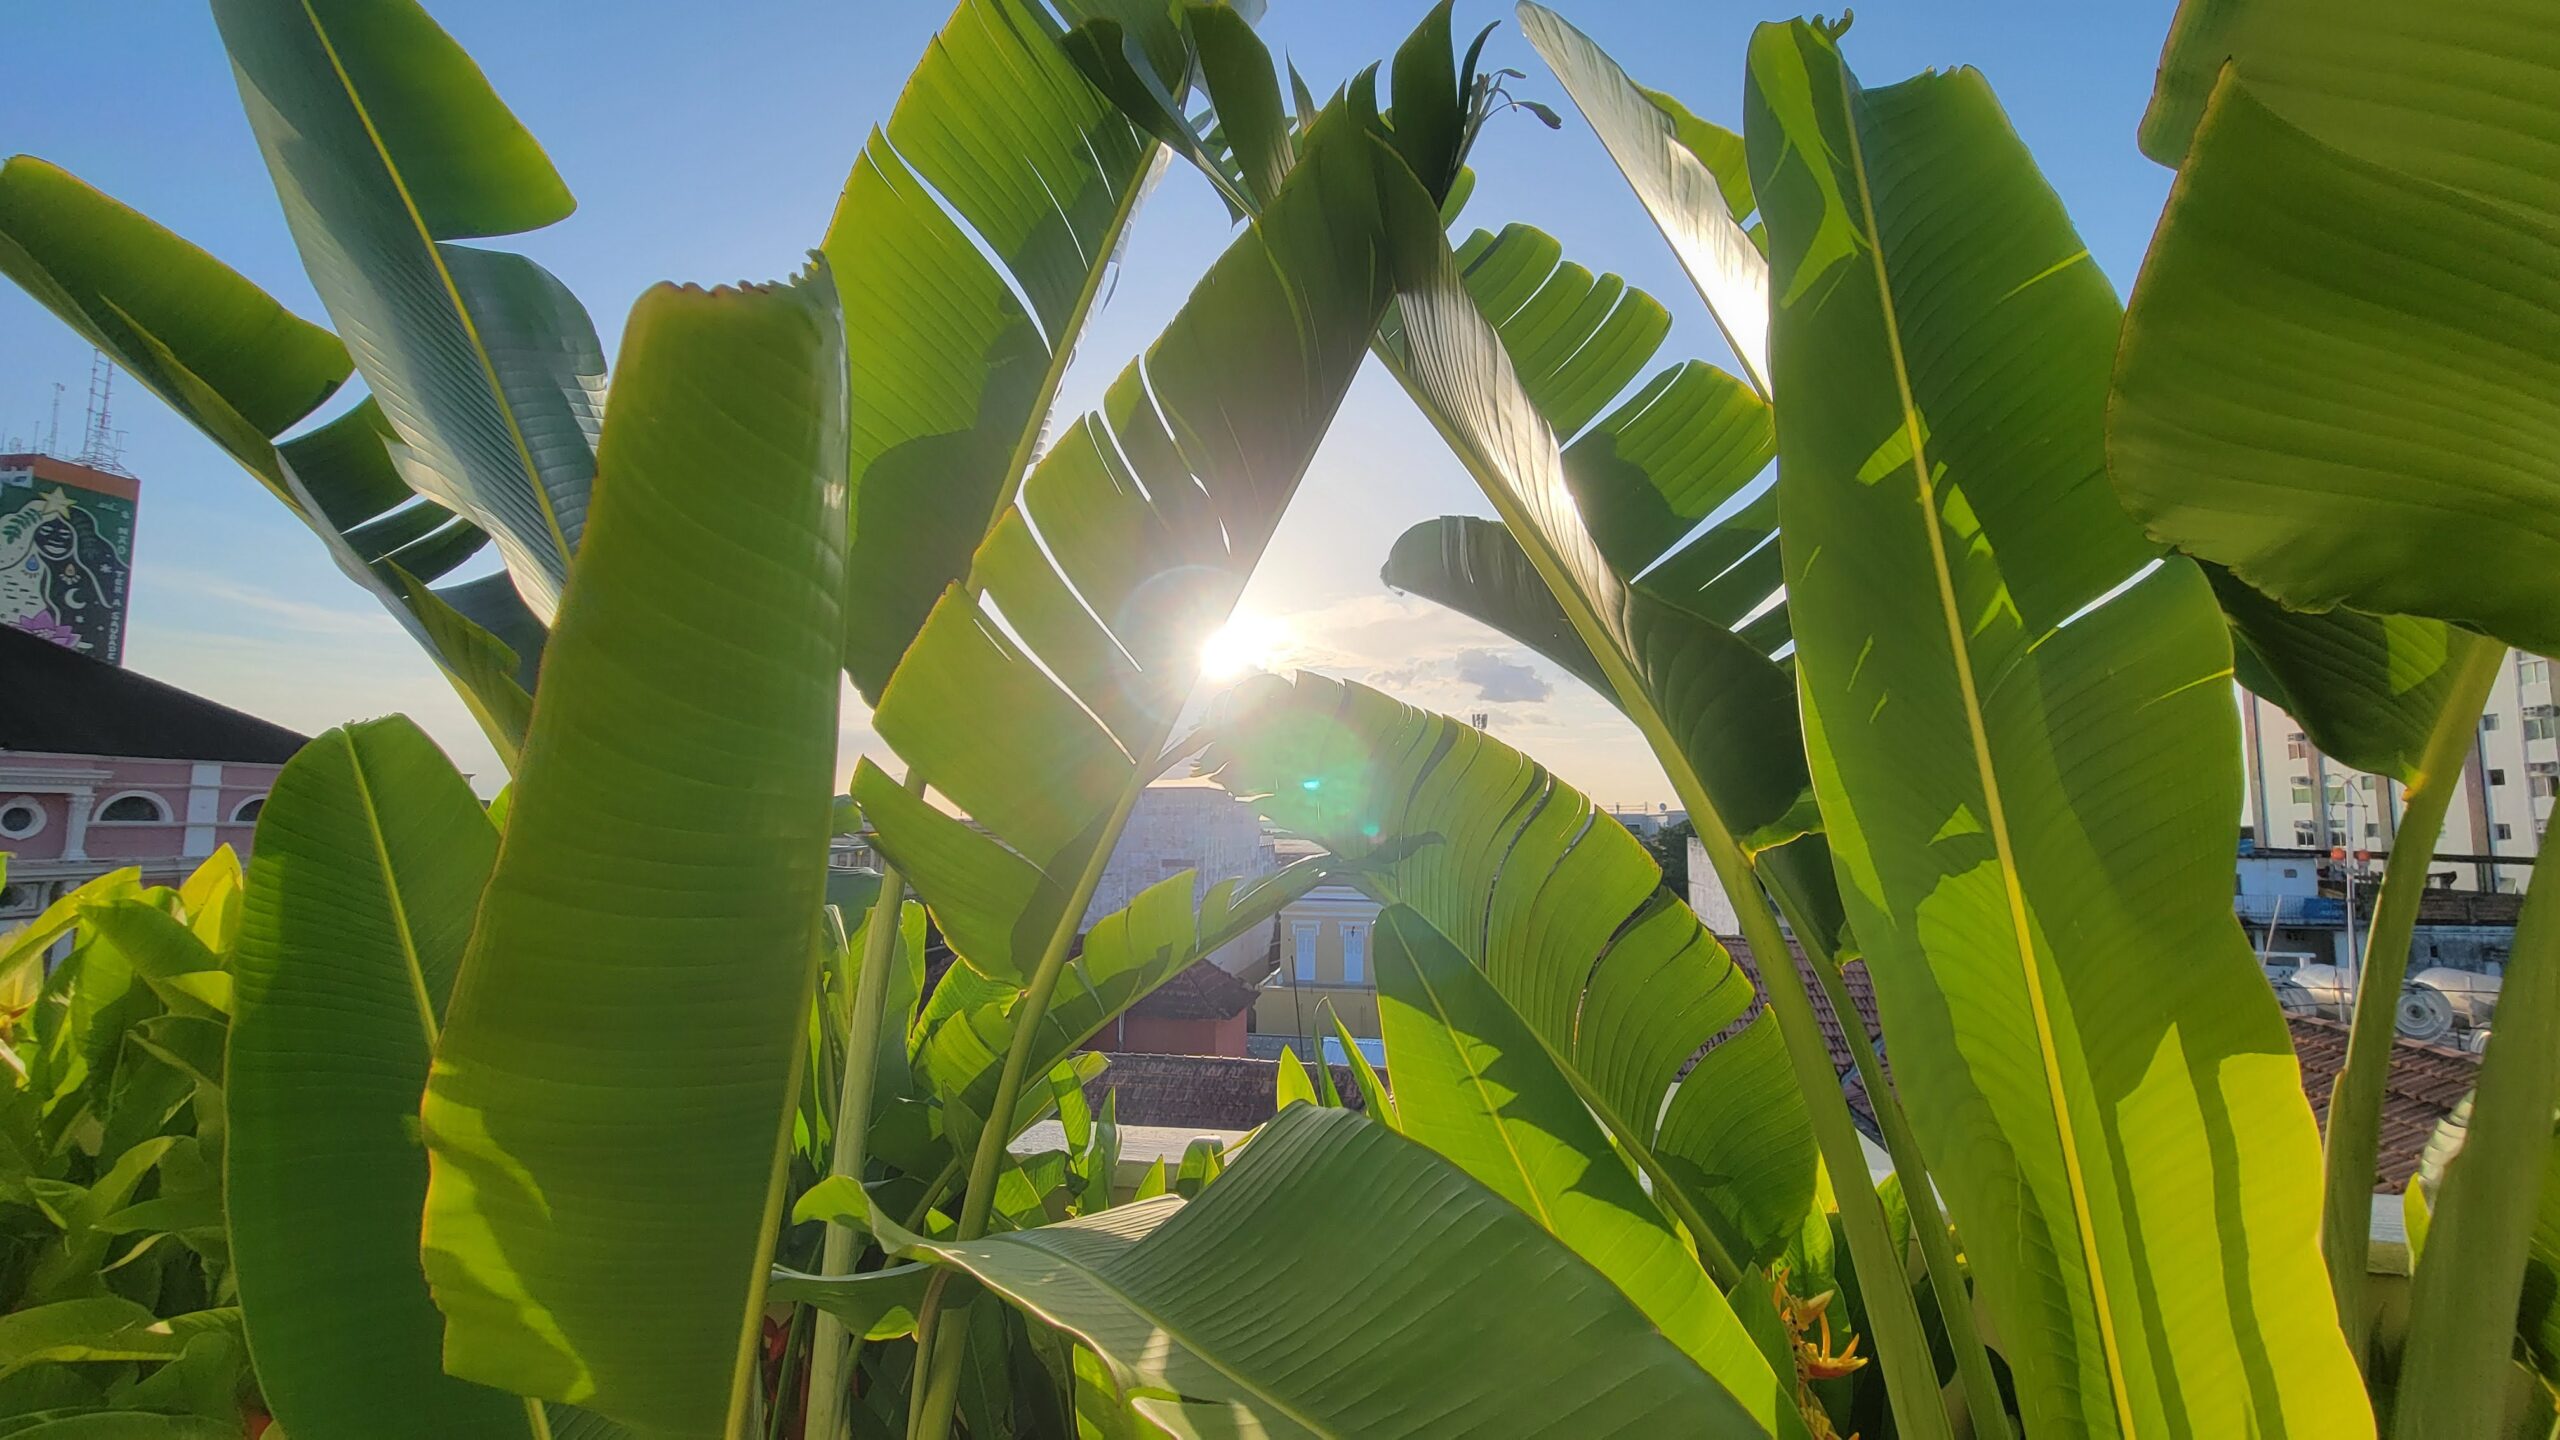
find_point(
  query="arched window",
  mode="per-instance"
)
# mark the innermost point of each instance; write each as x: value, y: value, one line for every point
x: 246, y: 812
x: 20, y: 817
x: 134, y: 807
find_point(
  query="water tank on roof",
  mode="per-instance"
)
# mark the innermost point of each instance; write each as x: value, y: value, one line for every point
x: 2315, y: 990
x: 2425, y: 1015
x: 2471, y: 996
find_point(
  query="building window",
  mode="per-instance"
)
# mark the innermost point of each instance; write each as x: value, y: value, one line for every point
x: 134, y: 807
x: 2373, y: 829
x: 20, y: 818
x: 2301, y: 789
x: 1355, y: 953
x: 2533, y: 671
x: 1306, y: 958
x: 2541, y: 722
x: 2296, y: 747
x: 2503, y: 830
x: 2303, y: 833
x: 2497, y: 777
x: 2489, y: 721
x: 247, y: 811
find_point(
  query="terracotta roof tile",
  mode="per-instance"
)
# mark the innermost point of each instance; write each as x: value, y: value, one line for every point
x: 2426, y: 1082
x: 1212, y: 1092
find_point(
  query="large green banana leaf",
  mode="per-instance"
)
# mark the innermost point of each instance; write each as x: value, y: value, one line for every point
x: 1002, y: 177
x: 2031, y: 818
x: 1390, y: 1295
x: 242, y: 369
x: 1150, y: 515
x: 1473, y: 566
x: 2367, y: 688
x: 1717, y: 714
x: 372, y: 853
x: 386, y: 144
x: 2332, y: 413
x: 1650, y: 137
x: 1565, y: 914
x: 1476, y: 1086
x: 1639, y: 482
x: 612, y: 1097
x: 2339, y: 368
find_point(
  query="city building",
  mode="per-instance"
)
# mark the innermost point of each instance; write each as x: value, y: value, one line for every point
x: 101, y: 768
x: 66, y: 552
x: 2300, y: 799
x: 1646, y: 824
x: 1192, y: 825
x: 1324, y: 940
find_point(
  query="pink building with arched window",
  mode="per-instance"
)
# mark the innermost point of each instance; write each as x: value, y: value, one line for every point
x: 101, y: 768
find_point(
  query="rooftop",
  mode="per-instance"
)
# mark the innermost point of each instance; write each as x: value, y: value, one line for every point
x: 2425, y: 1083
x: 59, y: 702
x: 1201, y: 1092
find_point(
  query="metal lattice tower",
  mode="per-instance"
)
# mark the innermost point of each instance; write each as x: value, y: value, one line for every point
x: 102, y: 447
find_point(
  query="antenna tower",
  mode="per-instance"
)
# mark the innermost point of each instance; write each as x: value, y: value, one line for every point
x: 53, y: 427
x: 101, y: 449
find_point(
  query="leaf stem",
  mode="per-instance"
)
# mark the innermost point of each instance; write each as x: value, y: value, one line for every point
x: 2462, y: 1301
x: 828, y: 1346
x: 979, y: 1198
x: 1981, y: 1387
x: 2355, y: 1101
x: 1902, y: 1347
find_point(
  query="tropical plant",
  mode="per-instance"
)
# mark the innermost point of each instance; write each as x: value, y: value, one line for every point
x: 2400, y: 690
x: 607, y: 1109
x: 118, y: 1280
x: 2334, y: 497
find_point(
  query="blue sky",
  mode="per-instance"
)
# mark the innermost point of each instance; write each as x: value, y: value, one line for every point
x: 707, y: 143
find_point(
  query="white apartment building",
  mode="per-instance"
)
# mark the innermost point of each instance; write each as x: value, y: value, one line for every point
x: 2299, y: 798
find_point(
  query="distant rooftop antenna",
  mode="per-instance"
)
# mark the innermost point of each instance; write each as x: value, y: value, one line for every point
x: 101, y: 449
x: 53, y: 427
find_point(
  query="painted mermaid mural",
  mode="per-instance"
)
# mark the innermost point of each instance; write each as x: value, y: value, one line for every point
x: 63, y: 564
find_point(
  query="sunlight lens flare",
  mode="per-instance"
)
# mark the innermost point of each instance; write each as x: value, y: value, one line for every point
x: 1245, y: 644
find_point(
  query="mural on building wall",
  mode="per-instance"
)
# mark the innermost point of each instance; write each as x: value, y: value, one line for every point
x: 66, y: 560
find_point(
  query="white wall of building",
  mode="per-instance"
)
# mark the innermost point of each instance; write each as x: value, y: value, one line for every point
x: 2300, y: 798
x: 1183, y: 826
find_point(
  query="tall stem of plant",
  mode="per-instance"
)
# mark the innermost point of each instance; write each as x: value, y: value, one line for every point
x: 2355, y: 1102
x: 1901, y: 1346
x: 979, y: 1198
x: 1981, y: 1388
x: 829, y: 1343
x: 2463, y: 1299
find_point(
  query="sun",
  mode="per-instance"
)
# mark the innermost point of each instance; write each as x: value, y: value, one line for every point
x: 1248, y: 642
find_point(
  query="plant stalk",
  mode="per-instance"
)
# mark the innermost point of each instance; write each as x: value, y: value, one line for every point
x: 1902, y: 1347
x: 829, y: 1344
x: 2463, y: 1298
x: 2355, y: 1101
x: 1974, y: 1376
x: 979, y: 1198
